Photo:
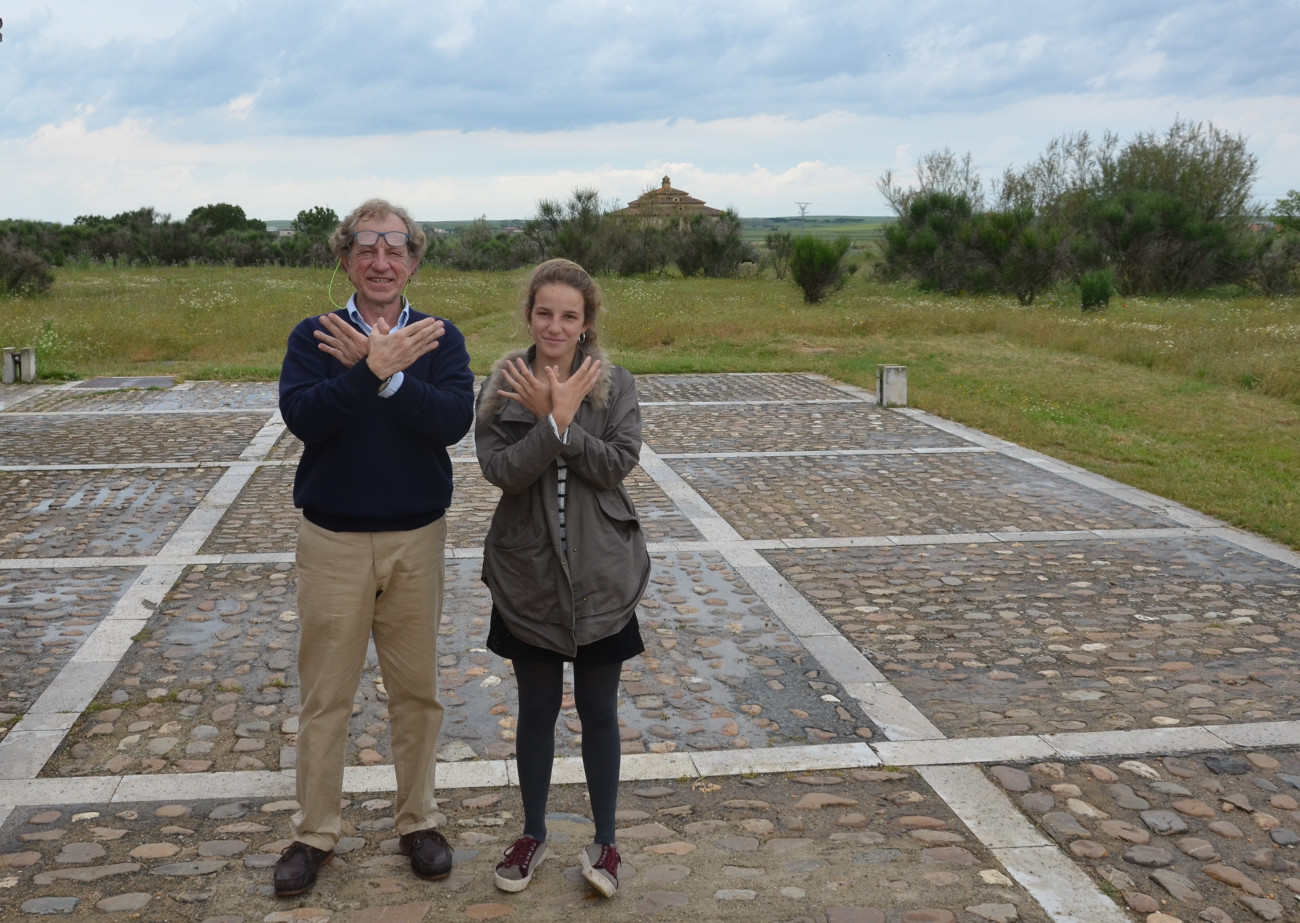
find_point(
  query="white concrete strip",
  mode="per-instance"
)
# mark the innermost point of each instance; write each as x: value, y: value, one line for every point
x: 787, y: 604
x: 983, y: 807
x: 957, y: 538
x: 1159, y: 534
x: 13, y: 400
x: 461, y: 554
x: 869, y: 541
x: 783, y: 759
x: 110, y: 641
x: 79, y: 563
x: 5, y: 809
x: 201, y: 786
x: 382, y: 778
x: 81, y: 790
x: 133, y: 466
x: 952, y: 450
x: 891, y: 712
x: 842, y: 660
x: 54, y: 721
x: 1190, y: 518
x: 963, y: 751
x: 146, y: 592
x: 194, y: 531
x: 741, y: 555
x: 1260, y: 545
x: 711, y: 525
x: 1258, y: 736
x: 1063, y: 536
x: 265, y: 440
x: 137, y: 466
x: 472, y: 774
x: 1061, y: 888
x: 1097, y: 744
x: 753, y: 403
x: 645, y: 767
x: 732, y: 548
x: 73, y: 687
x: 860, y: 393
x: 146, y: 412
x: 267, y: 557
x: 828, y: 453
x: 23, y: 752
x: 966, y: 433
x: 566, y: 770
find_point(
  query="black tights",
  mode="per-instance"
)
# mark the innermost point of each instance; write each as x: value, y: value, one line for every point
x: 595, y: 693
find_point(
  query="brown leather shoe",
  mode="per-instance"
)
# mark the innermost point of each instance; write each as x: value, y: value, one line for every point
x: 430, y: 853
x: 295, y: 872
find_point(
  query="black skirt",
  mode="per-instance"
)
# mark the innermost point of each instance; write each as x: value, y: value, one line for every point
x: 616, y: 648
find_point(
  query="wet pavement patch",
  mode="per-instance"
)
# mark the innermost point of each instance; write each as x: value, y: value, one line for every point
x: 846, y: 496
x: 1043, y: 638
x: 747, y: 387
x: 786, y: 428
x: 126, y: 439
x: 66, y: 514
x: 211, y: 683
x: 1175, y: 834
x: 45, y: 615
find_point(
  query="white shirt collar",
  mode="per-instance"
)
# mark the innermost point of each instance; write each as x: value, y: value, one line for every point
x: 355, y: 315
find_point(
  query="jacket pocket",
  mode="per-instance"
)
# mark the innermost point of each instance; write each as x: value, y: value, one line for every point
x: 618, y: 508
x: 524, y: 533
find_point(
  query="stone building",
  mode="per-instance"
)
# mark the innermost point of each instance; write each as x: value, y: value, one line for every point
x: 666, y: 202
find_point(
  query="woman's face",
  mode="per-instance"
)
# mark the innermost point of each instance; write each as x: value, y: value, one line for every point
x: 558, y: 318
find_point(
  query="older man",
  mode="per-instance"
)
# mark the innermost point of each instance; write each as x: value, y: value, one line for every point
x: 377, y: 392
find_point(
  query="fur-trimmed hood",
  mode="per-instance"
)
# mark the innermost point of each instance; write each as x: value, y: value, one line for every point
x: 491, y: 402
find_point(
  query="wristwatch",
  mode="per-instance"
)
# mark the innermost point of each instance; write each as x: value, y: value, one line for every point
x: 383, y: 385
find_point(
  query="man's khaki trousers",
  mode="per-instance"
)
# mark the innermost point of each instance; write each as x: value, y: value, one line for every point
x: 352, y: 585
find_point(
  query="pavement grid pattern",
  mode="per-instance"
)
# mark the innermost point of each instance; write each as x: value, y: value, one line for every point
x: 897, y: 671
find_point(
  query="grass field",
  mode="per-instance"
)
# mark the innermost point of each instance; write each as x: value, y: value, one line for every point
x: 859, y: 230
x: 1196, y: 399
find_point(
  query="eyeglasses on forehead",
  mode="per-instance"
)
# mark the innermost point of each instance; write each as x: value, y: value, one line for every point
x: 394, y: 239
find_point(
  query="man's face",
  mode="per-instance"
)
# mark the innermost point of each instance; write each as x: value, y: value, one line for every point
x: 379, y: 271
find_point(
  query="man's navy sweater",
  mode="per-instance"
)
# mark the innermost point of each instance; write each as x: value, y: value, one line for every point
x: 373, y: 464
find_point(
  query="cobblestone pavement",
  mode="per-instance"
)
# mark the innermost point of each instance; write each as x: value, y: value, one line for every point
x: 897, y: 671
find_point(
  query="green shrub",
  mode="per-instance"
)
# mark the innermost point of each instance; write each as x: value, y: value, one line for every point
x: 779, y: 245
x: 1095, y: 288
x: 23, y: 271
x: 1270, y: 263
x: 712, y: 246
x: 817, y: 266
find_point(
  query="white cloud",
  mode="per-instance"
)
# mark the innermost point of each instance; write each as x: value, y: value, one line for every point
x: 241, y: 106
x: 482, y: 108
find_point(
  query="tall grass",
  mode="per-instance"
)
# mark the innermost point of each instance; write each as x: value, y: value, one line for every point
x: 1193, y: 398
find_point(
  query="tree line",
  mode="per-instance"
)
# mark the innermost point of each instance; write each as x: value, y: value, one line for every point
x: 582, y: 228
x: 1163, y: 213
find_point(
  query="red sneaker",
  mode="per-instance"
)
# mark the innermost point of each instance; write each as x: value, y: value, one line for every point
x: 515, y: 871
x: 600, y: 867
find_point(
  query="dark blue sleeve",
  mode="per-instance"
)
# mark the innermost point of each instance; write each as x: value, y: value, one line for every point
x: 436, y: 398
x: 318, y: 396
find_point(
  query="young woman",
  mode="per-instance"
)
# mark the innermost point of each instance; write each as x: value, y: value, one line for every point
x: 558, y: 428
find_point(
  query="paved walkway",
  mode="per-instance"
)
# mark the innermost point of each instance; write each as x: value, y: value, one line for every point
x: 897, y: 670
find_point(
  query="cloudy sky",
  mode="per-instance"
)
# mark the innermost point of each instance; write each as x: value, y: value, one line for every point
x: 482, y: 107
